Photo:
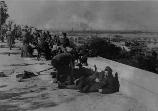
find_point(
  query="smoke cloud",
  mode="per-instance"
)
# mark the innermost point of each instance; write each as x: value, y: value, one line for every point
x: 86, y: 15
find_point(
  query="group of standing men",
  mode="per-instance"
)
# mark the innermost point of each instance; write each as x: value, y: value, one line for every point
x: 44, y: 43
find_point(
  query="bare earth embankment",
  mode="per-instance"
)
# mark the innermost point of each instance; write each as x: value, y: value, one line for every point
x: 39, y: 94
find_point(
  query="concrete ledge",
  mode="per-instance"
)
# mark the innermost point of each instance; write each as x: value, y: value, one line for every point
x: 134, y: 82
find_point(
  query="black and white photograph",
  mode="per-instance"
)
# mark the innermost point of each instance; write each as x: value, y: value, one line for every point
x: 78, y: 55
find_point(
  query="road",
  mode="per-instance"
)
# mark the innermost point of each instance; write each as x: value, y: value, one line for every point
x: 39, y: 94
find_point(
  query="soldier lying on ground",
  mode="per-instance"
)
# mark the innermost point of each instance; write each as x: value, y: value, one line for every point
x: 103, y: 82
x: 81, y: 72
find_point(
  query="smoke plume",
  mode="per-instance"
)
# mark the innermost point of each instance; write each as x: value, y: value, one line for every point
x: 86, y: 15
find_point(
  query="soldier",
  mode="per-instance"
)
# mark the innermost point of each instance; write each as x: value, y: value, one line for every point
x: 9, y: 39
x: 65, y: 41
x: 45, y: 48
x: 109, y: 83
x: 103, y: 82
x: 64, y: 66
x: 26, y: 36
x: 27, y: 50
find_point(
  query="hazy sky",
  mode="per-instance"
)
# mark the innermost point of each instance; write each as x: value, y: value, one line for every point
x: 105, y: 15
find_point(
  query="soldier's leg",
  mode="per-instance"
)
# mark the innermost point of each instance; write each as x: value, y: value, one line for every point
x: 107, y: 91
x: 81, y: 83
x: 22, y: 52
x: 68, y: 75
x: 39, y: 54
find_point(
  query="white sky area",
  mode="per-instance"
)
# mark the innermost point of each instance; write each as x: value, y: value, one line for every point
x: 98, y: 15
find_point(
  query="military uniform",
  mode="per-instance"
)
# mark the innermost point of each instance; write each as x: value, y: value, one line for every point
x: 27, y: 50
x: 109, y: 84
x: 63, y: 63
x: 9, y: 39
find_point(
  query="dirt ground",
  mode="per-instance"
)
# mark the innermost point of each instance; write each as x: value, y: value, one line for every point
x: 40, y: 94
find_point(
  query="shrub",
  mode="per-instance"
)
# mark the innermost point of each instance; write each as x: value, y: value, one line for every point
x: 105, y: 49
x: 100, y: 47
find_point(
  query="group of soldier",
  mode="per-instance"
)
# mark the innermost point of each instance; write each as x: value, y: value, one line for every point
x: 69, y: 62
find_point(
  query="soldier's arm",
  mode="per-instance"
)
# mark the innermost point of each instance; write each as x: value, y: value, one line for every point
x: 103, y: 84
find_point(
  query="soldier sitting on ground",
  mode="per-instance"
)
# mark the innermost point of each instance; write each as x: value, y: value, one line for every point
x: 81, y: 72
x: 109, y: 84
x: 103, y: 82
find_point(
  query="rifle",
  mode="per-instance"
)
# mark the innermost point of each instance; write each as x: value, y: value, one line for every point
x: 38, y: 73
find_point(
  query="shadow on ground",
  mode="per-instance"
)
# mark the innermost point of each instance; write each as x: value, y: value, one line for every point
x: 25, y: 64
x: 10, y: 53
